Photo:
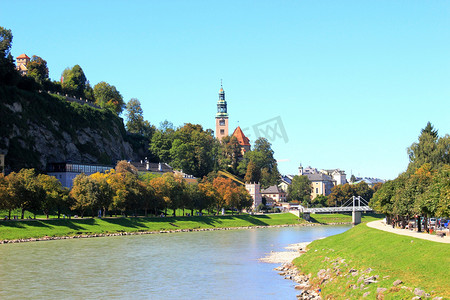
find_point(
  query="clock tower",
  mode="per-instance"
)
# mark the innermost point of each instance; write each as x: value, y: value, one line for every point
x: 221, y: 116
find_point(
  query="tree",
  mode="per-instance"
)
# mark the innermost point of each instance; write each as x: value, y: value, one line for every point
x: 25, y: 190
x: 105, y: 192
x: 135, y: 119
x: 262, y: 157
x: 37, y: 69
x: 5, y: 41
x: 224, y: 187
x: 352, y: 178
x: 319, y: 201
x: 107, y: 96
x: 161, y: 141
x: 300, y: 189
x: 362, y: 189
x: 53, y: 192
x: 8, y: 73
x: 430, y: 149
x: 125, y: 167
x: 253, y: 173
x: 191, y: 150
x: 74, y: 81
x: 439, y: 191
x: 210, y: 196
x: 84, y: 192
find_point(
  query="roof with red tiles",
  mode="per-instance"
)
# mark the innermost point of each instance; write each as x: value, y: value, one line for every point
x: 242, y: 139
x: 23, y: 56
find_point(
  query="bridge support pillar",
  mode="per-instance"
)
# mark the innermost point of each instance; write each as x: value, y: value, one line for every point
x: 306, y: 216
x: 356, y: 217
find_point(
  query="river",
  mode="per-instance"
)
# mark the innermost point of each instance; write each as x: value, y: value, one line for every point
x: 195, y: 265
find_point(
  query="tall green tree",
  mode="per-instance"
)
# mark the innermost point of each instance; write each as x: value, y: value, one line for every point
x: 8, y: 73
x: 191, y: 150
x: 25, y: 190
x: 107, y: 96
x: 300, y: 190
x: 253, y: 173
x: 429, y: 149
x: 74, y: 82
x: 37, y: 69
x: 135, y: 119
x: 263, y: 157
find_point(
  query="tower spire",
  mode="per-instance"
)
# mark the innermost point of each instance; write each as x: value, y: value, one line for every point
x: 222, y: 115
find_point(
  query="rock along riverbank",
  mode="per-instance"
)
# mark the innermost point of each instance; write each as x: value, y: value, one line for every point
x: 93, y: 235
x: 290, y: 272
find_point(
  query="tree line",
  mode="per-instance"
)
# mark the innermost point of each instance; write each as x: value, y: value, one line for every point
x: 423, y: 190
x: 121, y: 190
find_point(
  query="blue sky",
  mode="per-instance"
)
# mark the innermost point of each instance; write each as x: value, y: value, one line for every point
x: 352, y: 82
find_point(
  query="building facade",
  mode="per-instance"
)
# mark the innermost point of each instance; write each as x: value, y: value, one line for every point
x: 66, y: 172
x: 254, y: 189
x: 273, y: 194
x: 21, y: 64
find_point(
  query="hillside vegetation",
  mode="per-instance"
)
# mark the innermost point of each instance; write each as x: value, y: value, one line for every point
x: 379, y: 258
x: 37, y: 128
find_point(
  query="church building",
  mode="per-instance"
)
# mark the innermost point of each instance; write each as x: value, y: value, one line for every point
x: 222, y: 124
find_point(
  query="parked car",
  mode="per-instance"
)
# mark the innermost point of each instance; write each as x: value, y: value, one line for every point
x: 432, y: 221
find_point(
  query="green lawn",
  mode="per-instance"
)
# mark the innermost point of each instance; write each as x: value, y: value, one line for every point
x: 418, y: 263
x: 343, y: 218
x: 65, y: 227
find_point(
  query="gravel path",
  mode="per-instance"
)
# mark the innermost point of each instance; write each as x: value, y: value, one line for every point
x: 379, y: 224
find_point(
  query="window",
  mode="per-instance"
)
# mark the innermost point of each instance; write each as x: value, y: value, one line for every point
x: 222, y: 131
x: 317, y: 190
x: 222, y: 122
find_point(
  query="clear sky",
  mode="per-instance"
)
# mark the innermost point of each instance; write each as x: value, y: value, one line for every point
x: 352, y: 82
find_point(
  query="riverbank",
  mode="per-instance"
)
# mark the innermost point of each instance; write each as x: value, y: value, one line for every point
x: 365, y: 262
x: 42, y: 230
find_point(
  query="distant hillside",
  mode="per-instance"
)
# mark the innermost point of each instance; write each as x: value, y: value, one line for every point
x: 39, y: 128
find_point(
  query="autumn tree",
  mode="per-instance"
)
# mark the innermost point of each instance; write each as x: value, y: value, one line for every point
x: 253, y: 173
x: 84, y: 192
x: 53, y: 193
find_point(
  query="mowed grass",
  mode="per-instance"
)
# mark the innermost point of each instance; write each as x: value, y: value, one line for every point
x: 418, y: 263
x: 343, y: 218
x: 10, y: 230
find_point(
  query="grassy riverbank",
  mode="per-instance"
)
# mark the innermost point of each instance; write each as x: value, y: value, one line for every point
x: 347, y: 257
x: 343, y: 218
x: 10, y: 230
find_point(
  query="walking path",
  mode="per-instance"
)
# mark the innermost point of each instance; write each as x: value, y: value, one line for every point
x: 379, y: 224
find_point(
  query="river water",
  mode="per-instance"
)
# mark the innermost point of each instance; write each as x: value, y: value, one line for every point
x: 195, y: 265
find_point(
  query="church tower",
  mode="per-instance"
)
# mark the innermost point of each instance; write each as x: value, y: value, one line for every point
x: 221, y: 116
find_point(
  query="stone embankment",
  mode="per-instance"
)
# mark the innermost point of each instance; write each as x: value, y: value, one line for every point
x: 305, y: 289
x: 81, y: 236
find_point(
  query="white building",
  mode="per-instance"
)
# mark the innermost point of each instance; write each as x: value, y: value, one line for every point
x: 66, y: 172
x: 254, y: 189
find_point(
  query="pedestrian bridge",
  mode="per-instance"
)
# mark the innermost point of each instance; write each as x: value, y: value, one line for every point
x: 356, y: 205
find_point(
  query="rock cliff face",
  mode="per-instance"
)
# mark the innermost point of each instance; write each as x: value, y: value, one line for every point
x: 36, y: 129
